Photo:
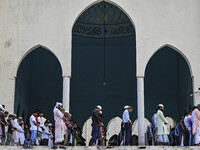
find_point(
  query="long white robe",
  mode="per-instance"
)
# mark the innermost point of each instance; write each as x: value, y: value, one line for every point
x: 21, y: 135
x: 50, y: 142
x: 15, y: 135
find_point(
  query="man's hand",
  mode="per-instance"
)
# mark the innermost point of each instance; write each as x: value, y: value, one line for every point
x: 42, y: 128
x: 100, y: 124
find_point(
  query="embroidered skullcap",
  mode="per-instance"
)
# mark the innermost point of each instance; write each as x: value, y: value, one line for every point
x: 62, y: 109
x: 198, y: 105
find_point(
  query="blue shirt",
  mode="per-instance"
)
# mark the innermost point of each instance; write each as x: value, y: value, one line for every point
x: 68, y: 121
x: 125, y: 117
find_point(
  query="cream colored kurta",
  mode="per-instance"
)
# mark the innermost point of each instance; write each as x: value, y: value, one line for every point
x: 161, y: 120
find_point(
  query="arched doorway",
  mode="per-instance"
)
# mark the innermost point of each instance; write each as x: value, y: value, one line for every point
x: 103, y: 63
x: 168, y: 81
x: 38, y: 83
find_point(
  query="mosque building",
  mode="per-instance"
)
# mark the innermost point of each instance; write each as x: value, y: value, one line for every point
x: 111, y: 53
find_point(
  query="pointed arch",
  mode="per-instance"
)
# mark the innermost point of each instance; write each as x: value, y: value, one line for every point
x: 175, y: 49
x: 108, y: 1
x: 90, y: 65
x: 32, y: 49
x: 38, y: 82
x: 168, y: 80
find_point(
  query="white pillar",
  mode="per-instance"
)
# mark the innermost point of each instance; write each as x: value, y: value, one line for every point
x: 66, y: 92
x: 140, y: 108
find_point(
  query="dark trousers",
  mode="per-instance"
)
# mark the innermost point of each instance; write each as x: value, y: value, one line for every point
x: 127, y: 129
x: 94, y: 133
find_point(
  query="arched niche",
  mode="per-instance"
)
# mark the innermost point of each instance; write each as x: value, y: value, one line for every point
x: 168, y: 81
x: 38, y: 83
x: 103, y: 62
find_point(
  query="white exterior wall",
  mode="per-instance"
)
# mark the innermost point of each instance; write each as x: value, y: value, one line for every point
x: 25, y: 24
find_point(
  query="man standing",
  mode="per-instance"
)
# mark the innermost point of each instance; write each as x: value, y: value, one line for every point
x: 40, y: 127
x: 33, y: 127
x: 154, y: 127
x: 60, y: 129
x: 188, y: 127
x: 3, y: 124
x: 162, y: 128
x: 15, y: 136
x: 196, y: 125
x: 127, y: 123
x: 182, y: 133
x: 96, y: 122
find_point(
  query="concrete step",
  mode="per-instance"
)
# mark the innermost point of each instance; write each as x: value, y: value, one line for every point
x: 106, y: 148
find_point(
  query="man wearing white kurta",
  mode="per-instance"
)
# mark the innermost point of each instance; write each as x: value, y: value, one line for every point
x: 40, y: 127
x: 21, y: 132
x: 162, y: 128
x: 15, y: 135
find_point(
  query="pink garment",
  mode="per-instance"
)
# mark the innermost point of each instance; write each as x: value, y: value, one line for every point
x: 196, y: 121
x: 60, y: 127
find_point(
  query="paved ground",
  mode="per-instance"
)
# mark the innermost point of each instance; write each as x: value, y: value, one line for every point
x: 105, y: 148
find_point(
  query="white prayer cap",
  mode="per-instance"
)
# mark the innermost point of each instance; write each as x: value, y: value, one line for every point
x: 99, y: 107
x: 1, y: 107
x: 100, y: 112
x: 58, y: 104
x: 14, y: 115
x: 67, y: 111
x: 50, y: 124
x: 20, y: 118
x: 160, y: 105
x: 126, y: 107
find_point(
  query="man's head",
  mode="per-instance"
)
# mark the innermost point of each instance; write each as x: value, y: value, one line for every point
x: 1, y: 108
x: 62, y: 110
x: 98, y: 108
x: 41, y: 114
x: 161, y: 107
x: 130, y: 109
x: 66, y: 113
x: 35, y: 113
x: 198, y: 106
x: 182, y: 119
x: 50, y: 126
x: 190, y: 112
x: 5, y: 114
x: 69, y: 116
x: 126, y: 107
x: 14, y: 116
x: 46, y: 123
x: 59, y: 105
x: 21, y: 122
x: 20, y: 119
x: 10, y: 117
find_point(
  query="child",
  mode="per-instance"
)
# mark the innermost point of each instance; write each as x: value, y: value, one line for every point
x: 46, y: 133
x: 51, y: 138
